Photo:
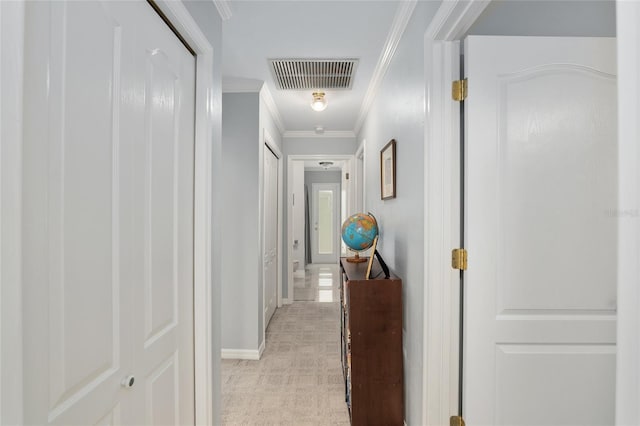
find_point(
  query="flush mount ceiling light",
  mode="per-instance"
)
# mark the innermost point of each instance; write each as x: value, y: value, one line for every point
x: 326, y: 164
x: 319, y: 102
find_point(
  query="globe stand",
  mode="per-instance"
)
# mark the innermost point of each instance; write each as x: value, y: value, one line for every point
x: 356, y: 259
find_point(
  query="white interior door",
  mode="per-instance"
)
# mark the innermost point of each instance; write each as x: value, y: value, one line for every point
x: 108, y: 216
x: 270, y: 255
x: 540, y: 298
x: 325, y: 225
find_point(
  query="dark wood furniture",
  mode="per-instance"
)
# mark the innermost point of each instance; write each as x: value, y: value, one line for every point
x: 371, y: 312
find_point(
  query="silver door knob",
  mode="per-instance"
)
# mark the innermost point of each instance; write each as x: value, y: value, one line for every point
x: 128, y: 382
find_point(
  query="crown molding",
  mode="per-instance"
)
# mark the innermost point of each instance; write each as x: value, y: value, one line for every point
x: 265, y: 94
x: 241, y: 85
x: 311, y: 134
x: 454, y: 18
x: 224, y: 9
x: 398, y: 26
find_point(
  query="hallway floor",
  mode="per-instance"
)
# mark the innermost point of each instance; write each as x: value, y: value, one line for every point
x: 299, y: 380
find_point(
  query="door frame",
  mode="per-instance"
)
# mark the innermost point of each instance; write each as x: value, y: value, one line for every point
x: 206, y: 284
x: 442, y: 210
x: 335, y: 187
x: 360, y: 192
x: 628, y: 214
x: 268, y: 142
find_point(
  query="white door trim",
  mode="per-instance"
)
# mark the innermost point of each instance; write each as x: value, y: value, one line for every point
x: 442, y: 208
x: 12, y: 44
x: 628, y: 215
x: 359, y: 173
x: 11, y: 78
x: 268, y: 141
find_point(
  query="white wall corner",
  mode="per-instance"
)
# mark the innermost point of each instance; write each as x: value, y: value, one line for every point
x: 224, y: 9
x: 265, y: 93
x: 303, y: 134
x: 398, y: 26
x: 241, y: 85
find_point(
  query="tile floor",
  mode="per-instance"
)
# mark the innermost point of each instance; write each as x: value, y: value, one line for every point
x: 298, y: 381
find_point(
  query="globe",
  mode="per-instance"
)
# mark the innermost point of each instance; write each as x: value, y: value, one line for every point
x: 358, y: 233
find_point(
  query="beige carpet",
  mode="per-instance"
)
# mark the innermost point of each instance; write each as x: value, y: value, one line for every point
x: 298, y: 381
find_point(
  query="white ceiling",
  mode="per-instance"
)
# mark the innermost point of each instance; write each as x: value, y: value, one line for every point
x: 262, y: 30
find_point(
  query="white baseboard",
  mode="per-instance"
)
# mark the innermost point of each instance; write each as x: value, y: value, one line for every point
x: 261, y: 349
x: 286, y: 301
x: 250, y: 354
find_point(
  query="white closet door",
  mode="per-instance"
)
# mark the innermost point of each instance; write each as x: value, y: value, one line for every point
x: 108, y: 206
x: 541, y: 180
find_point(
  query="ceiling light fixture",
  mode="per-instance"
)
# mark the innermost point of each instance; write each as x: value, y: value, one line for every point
x: 319, y: 102
x: 326, y: 164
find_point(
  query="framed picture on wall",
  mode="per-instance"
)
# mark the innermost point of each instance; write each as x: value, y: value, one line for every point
x: 388, y: 171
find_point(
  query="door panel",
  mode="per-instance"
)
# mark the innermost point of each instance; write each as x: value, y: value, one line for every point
x: 73, y: 289
x: 107, y: 259
x: 541, y: 286
x: 163, y: 125
x: 325, y: 247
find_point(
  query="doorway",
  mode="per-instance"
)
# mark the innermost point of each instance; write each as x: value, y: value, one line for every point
x: 442, y: 230
x: 298, y: 243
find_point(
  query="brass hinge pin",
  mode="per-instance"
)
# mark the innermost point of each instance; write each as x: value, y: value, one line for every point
x: 459, y: 259
x: 459, y: 90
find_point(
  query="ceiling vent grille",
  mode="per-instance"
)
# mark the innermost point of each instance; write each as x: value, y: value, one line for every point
x: 304, y: 74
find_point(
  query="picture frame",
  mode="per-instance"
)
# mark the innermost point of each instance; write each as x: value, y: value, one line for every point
x: 388, y: 171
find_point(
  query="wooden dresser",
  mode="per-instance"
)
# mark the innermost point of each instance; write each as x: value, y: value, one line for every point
x: 371, y: 324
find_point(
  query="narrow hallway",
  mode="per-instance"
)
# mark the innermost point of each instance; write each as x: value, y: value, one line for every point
x: 299, y: 378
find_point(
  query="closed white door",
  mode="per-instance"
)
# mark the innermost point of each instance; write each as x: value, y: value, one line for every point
x: 540, y: 288
x: 325, y: 217
x: 270, y: 254
x: 108, y: 216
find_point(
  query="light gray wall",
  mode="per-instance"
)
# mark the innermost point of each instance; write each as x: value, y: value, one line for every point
x: 319, y: 145
x: 206, y: 16
x: 240, y: 221
x: 317, y: 176
x: 398, y: 113
x: 593, y: 18
x: 245, y: 118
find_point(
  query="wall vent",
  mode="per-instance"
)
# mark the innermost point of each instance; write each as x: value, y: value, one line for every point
x: 305, y: 74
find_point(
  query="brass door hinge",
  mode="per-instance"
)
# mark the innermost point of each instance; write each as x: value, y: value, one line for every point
x: 459, y: 259
x: 456, y: 421
x: 459, y: 90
